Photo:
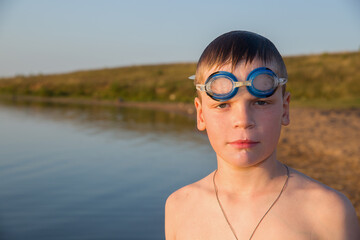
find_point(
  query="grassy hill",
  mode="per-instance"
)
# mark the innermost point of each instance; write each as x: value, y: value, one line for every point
x: 314, y: 80
x: 330, y: 80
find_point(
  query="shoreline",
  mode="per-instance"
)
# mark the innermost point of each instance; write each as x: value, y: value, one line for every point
x: 186, y: 109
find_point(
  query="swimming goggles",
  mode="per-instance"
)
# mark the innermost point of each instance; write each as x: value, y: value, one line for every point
x: 221, y: 86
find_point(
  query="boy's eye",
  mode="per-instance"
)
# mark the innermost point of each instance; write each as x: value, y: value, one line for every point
x: 222, y: 105
x: 261, y: 103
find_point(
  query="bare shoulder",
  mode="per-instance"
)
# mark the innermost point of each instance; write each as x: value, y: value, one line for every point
x: 189, y: 193
x: 184, y: 203
x: 330, y: 212
x: 320, y: 195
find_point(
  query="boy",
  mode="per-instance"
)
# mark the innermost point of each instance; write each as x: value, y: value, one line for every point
x: 242, y: 104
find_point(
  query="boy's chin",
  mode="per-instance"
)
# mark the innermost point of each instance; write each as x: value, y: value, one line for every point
x: 245, y: 160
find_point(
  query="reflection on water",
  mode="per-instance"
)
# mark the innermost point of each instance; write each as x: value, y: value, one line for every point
x: 105, y: 117
x: 93, y: 172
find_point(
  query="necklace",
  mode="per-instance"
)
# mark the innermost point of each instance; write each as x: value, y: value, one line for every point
x: 227, y: 220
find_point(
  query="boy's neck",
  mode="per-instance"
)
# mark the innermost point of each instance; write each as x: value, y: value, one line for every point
x: 249, y: 181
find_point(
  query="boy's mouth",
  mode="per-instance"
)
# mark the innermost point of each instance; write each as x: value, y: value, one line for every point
x: 244, y: 143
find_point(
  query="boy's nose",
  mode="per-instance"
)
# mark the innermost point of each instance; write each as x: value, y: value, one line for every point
x: 242, y: 116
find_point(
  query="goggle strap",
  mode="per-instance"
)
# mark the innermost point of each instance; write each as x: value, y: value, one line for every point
x: 282, y: 81
x: 192, y: 77
x: 200, y: 87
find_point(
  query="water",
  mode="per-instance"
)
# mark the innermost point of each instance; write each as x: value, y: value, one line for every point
x: 91, y: 172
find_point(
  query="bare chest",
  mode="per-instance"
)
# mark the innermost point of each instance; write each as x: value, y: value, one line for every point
x: 209, y: 223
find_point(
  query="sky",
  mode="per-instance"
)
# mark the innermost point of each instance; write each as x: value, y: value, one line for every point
x: 42, y: 36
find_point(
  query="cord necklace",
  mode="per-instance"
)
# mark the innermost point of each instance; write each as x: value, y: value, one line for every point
x: 222, y: 209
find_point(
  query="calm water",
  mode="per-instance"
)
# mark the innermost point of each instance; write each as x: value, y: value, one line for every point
x: 87, y: 172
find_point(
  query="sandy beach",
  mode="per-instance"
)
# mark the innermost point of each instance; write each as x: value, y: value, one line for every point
x: 324, y: 144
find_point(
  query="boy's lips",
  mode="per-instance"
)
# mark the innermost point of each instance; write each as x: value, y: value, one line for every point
x: 244, y: 143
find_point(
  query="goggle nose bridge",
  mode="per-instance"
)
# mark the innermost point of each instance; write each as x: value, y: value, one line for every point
x: 240, y: 84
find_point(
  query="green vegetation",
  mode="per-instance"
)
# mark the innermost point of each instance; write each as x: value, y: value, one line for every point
x: 138, y: 83
x: 326, y: 80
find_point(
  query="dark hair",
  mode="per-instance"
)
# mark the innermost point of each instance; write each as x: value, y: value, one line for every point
x: 236, y: 46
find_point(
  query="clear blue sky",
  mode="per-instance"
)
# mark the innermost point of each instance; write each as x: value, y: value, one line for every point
x: 42, y: 36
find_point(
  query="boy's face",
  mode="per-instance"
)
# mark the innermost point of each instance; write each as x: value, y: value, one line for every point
x: 244, y: 130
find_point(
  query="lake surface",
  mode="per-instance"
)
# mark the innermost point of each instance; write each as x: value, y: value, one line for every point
x: 92, y: 172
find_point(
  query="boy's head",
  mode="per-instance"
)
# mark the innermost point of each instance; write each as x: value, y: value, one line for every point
x: 243, y: 126
x: 237, y: 47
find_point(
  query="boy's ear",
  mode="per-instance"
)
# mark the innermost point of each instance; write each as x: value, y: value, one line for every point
x: 285, y: 119
x: 199, y: 115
